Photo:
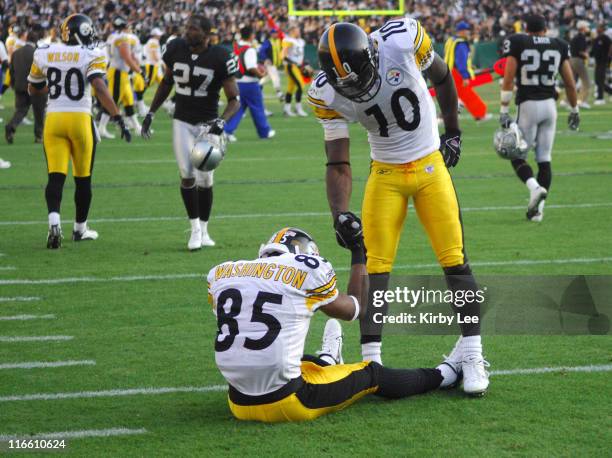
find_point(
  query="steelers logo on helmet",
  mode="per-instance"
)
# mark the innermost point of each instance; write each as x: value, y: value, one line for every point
x: 349, y: 59
x: 289, y: 240
x: 85, y: 29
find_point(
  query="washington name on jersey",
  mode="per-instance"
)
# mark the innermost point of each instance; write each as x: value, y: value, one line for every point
x: 198, y: 79
x: 539, y: 60
x: 67, y: 70
x: 401, y: 118
x: 263, y: 310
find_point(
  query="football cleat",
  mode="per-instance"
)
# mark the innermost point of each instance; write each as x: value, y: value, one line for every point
x: 87, y: 234
x: 300, y: 112
x: 206, y: 240
x: 231, y: 138
x: 9, y: 134
x: 195, y: 241
x: 54, y: 237
x: 451, y: 367
x: 271, y: 133
x: 332, y: 341
x: 475, y: 376
x: 535, y: 197
x: 4, y: 164
x: 287, y: 111
x: 106, y: 134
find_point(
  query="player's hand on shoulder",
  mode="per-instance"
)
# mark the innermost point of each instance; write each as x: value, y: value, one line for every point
x: 450, y: 146
x: 505, y: 120
x: 145, y: 130
x: 349, y: 230
x: 125, y: 133
x: 573, y: 121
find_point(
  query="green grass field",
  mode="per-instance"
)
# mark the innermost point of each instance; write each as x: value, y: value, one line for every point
x: 135, y: 303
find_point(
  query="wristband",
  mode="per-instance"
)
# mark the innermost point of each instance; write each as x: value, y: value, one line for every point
x: 575, y: 109
x: 357, y: 308
x: 358, y: 256
x: 504, y: 109
x: 506, y: 96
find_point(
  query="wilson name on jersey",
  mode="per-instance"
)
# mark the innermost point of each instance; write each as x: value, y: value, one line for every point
x: 198, y: 79
x: 539, y: 60
x: 401, y: 119
x: 67, y: 71
x: 263, y: 310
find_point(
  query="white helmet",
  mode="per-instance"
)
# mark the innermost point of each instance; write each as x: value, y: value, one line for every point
x: 289, y: 240
x: 509, y: 143
x: 207, y: 152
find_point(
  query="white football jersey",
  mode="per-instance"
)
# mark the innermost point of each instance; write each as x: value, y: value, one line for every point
x: 401, y: 119
x: 152, y: 54
x: 263, y: 310
x: 66, y: 70
x: 295, y: 51
x: 114, y: 41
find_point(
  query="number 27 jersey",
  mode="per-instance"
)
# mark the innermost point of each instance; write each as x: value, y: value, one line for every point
x: 263, y: 310
x: 67, y: 71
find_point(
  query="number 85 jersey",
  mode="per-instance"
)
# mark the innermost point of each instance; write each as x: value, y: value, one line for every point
x: 401, y: 118
x: 263, y: 310
x: 67, y: 70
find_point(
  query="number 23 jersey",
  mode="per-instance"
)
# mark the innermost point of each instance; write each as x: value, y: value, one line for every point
x: 401, y: 119
x: 67, y: 71
x: 263, y: 310
x: 198, y: 79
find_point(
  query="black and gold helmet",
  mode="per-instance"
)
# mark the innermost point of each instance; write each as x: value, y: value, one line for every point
x: 289, y: 240
x: 349, y: 59
x: 78, y: 29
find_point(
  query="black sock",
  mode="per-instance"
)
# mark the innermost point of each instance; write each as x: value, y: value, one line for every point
x: 129, y: 111
x: 190, y: 199
x: 460, y: 279
x: 53, y: 191
x: 371, y: 331
x: 205, y: 201
x: 400, y: 383
x: 298, y: 95
x: 82, y: 197
x: 544, y: 174
x: 522, y: 169
x: 287, y: 98
x: 139, y: 95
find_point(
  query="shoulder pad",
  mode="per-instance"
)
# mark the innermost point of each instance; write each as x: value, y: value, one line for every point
x: 321, y: 93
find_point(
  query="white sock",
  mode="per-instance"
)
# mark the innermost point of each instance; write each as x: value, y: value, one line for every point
x: 204, y: 226
x: 448, y: 375
x: 141, y: 105
x: 80, y: 227
x: 134, y: 119
x: 104, y: 121
x: 328, y: 359
x: 54, y: 219
x: 472, y: 346
x: 371, y: 351
x: 287, y: 107
x: 532, y: 184
x: 195, y: 224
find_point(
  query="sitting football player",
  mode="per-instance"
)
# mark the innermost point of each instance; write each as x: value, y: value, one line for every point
x: 263, y: 310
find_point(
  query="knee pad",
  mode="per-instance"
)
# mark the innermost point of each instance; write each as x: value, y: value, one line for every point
x: 204, y: 179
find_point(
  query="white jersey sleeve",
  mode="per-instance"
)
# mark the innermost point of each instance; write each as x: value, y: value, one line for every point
x: 320, y: 96
x: 408, y: 37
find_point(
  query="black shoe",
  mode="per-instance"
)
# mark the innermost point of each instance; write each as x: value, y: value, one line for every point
x: 9, y: 134
x: 54, y: 239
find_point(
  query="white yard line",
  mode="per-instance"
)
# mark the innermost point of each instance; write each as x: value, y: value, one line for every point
x: 77, y: 434
x: 223, y: 388
x: 47, y: 364
x: 20, y: 299
x: 8, y: 268
x: 10, y: 339
x: 26, y: 317
x: 148, y: 219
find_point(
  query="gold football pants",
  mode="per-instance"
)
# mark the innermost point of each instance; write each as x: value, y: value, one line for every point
x: 295, y: 79
x: 120, y: 87
x: 326, y: 389
x: 153, y: 74
x: 69, y: 136
x: 385, y: 205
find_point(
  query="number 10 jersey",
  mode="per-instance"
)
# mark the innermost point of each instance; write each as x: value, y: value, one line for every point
x: 263, y: 310
x: 401, y: 119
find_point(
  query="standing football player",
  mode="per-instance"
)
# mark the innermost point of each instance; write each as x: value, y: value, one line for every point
x: 293, y: 56
x: 66, y: 71
x: 263, y: 309
x: 199, y: 71
x: 533, y: 63
x: 377, y: 81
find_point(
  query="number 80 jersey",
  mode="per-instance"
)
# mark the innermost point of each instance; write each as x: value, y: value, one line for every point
x: 263, y: 310
x: 67, y: 70
x: 401, y: 119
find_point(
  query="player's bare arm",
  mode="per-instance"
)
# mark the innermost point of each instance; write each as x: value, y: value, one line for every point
x: 439, y: 75
x: 128, y: 57
x: 163, y: 91
x: 573, y: 120
x: 106, y: 100
x: 338, y: 175
x: 344, y: 307
x: 230, y: 89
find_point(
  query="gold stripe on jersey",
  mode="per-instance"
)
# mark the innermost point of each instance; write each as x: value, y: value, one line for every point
x: 311, y: 301
x: 98, y: 64
x: 326, y: 113
x: 317, y: 102
x: 419, y: 36
x: 334, y: 52
x: 36, y: 74
x: 323, y: 288
x: 423, y: 53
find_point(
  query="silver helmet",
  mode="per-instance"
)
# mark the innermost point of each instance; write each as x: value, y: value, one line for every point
x: 207, y: 152
x: 509, y: 143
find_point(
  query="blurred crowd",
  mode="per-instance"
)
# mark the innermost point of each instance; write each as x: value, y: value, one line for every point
x: 488, y: 18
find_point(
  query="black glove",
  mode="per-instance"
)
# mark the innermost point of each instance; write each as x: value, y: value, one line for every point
x: 216, y: 126
x: 450, y: 146
x: 145, y: 130
x: 505, y: 120
x: 125, y: 133
x: 349, y: 231
x: 573, y: 121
